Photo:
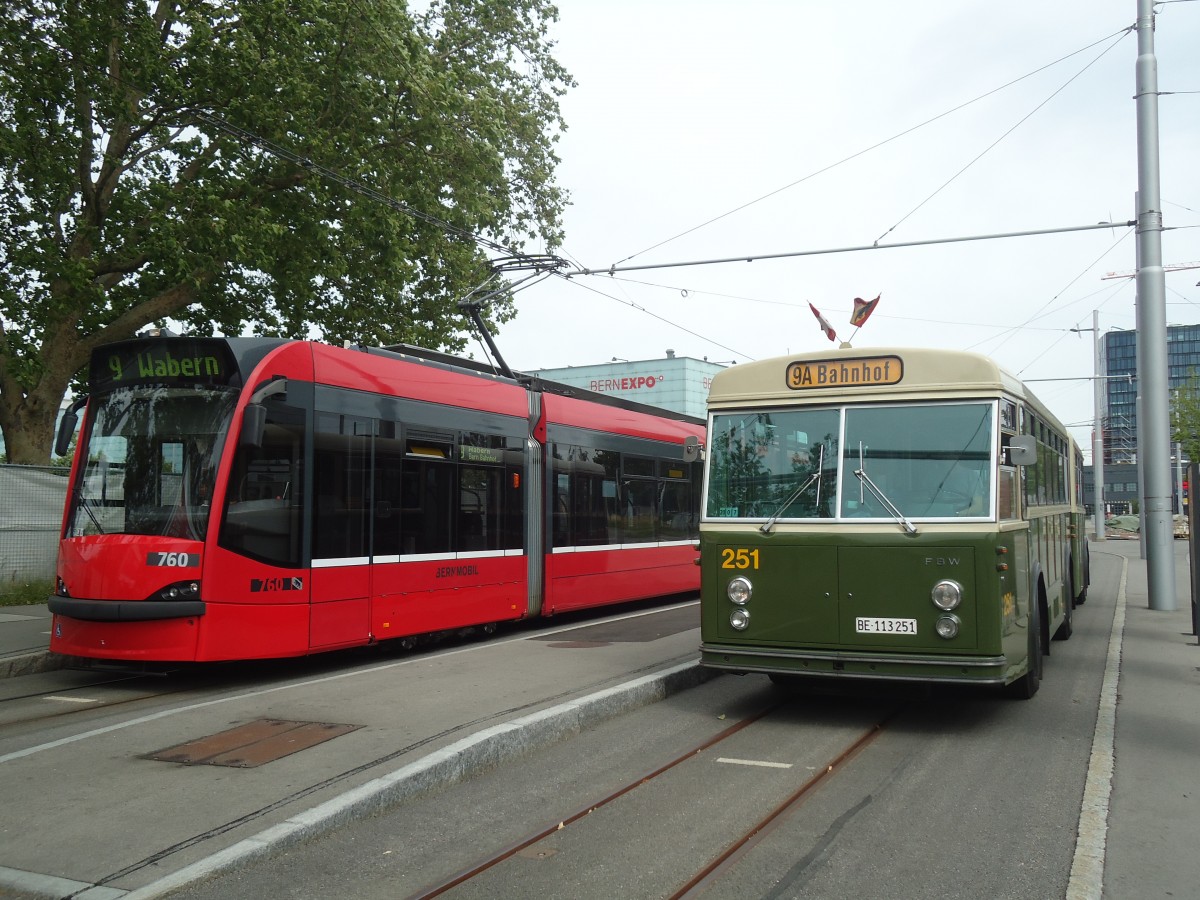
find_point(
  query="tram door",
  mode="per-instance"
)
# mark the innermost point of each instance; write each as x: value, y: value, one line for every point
x: 343, y: 463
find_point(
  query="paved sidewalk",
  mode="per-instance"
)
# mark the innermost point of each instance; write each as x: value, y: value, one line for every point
x: 24, y: 639
x: 1152, y: 847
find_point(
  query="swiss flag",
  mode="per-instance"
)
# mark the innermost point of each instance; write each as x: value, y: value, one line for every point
x: 825, y: 326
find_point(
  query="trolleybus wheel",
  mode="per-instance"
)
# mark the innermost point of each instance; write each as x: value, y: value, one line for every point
x: 1087, y: 578
x: 1027, y: 685
x: 1068, y: 623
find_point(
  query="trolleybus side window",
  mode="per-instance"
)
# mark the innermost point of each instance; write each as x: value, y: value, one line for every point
x: 265, y: 496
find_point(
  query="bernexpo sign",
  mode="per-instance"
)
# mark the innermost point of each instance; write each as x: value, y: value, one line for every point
x: 630, y: 383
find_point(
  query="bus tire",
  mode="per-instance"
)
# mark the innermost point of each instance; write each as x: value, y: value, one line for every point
x: 1067, y: 628
x: 1087, y: 578
x: 1027, y: 685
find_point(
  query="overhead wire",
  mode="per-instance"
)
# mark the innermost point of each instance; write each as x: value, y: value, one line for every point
x: 1041, y: 311
x: 998, y: 140
x: 874, y: 146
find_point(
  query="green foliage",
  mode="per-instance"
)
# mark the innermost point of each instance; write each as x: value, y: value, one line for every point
x: 25, y: 593
x: 124, y: 201
x: 1185, y: 417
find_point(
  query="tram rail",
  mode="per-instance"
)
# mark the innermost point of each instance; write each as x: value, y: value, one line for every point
x: 728, y: 856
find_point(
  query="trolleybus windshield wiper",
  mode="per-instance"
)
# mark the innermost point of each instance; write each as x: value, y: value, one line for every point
x: 766, y: 526
x: 865, y: 479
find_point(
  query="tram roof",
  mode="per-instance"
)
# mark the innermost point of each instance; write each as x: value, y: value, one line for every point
x: 893, y: 373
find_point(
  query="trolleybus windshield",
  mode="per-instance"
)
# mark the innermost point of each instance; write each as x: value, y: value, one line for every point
x: 930, y: 461
x: 151, y: 456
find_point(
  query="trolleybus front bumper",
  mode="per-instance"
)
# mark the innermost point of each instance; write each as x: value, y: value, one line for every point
x: 874, y: 666
x: 124, y: 610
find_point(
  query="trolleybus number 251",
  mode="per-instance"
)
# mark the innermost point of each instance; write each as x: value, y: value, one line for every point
x: 739, y: 558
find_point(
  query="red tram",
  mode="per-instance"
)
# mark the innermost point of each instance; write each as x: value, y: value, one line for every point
x: 241, y: 498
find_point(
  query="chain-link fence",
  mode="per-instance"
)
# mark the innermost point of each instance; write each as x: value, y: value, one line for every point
x: 31, y: 505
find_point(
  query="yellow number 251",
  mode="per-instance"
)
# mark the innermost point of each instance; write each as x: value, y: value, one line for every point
x: 741, y: 558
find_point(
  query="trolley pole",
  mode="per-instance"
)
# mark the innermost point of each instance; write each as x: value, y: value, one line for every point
x: 1154, y: 430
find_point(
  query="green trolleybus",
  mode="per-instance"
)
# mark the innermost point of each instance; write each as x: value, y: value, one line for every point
x: 892, y: 514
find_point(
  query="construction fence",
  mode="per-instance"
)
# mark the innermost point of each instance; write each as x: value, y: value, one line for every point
x: 31, y: 508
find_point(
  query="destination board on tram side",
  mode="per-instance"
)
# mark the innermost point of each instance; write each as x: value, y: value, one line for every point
x: 867, y: 371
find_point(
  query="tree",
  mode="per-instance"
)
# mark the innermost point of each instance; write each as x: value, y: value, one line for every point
x: 172, y: 160
x: 1185, y: 417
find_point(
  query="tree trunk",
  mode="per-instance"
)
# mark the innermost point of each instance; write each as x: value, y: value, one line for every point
x: 28, y: 420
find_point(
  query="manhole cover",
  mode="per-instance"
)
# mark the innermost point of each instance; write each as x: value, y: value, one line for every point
x: 252, y: 744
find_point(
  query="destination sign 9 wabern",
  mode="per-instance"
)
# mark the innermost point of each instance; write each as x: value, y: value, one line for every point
x: 867, y: 371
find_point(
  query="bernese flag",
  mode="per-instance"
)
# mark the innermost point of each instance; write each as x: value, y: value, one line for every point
x: 862, y: 310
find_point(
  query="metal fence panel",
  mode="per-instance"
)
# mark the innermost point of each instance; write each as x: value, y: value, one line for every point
x: 31, y: 505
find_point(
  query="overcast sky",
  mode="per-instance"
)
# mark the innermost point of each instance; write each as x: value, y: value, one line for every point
x: 693, y: 110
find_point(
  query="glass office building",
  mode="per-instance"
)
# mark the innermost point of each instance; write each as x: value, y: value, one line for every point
x: 1120, y: 359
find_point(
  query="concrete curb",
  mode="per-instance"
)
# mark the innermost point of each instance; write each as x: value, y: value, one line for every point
x: 33, y: 663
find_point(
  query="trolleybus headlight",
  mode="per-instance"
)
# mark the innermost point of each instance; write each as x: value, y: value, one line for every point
x: 947, y: 626
x: 947, y: 594
x: 739, y: 591
x: 740, y: 619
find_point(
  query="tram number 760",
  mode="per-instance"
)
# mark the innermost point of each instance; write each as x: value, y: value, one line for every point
x: 173, y: 560
x: 739, y: 558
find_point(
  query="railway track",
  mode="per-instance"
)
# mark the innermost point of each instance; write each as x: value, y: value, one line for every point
x: 729, y: 855
x: 58, y: 701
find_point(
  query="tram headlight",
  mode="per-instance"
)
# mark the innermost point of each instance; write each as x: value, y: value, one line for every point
x: 946, y: 594
x: 740, y: 618
x: 739, y: 590
x: 947, y: 626
x: 180, y: 590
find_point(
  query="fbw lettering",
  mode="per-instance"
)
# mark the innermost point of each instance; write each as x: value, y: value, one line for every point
x: 455, y: 571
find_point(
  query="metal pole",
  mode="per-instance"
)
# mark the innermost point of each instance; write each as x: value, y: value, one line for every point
x: 1154, y: 423
x: 1193, y: 515
x: 1098, y: 428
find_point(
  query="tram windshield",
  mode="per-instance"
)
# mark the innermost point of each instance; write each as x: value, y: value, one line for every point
x: 924, y: 461
x: 152, y: 455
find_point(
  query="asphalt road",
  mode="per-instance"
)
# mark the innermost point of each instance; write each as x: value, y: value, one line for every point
x: 961, y: 794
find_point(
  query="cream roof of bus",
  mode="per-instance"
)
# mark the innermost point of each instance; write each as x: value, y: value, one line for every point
x: 926, y: 372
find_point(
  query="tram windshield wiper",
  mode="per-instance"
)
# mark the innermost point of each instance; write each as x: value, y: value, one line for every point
x: 766, y: 526
x: 86, y: 505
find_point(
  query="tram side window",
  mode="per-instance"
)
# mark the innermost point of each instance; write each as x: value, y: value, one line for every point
x: 389, y: 463
x: 427, y: 488
x: 679, y: 498
x: 341, y: 486
x: 585, y: 496
x: 603, y: 497
x: 265, y: 497
x: 480, y: 509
